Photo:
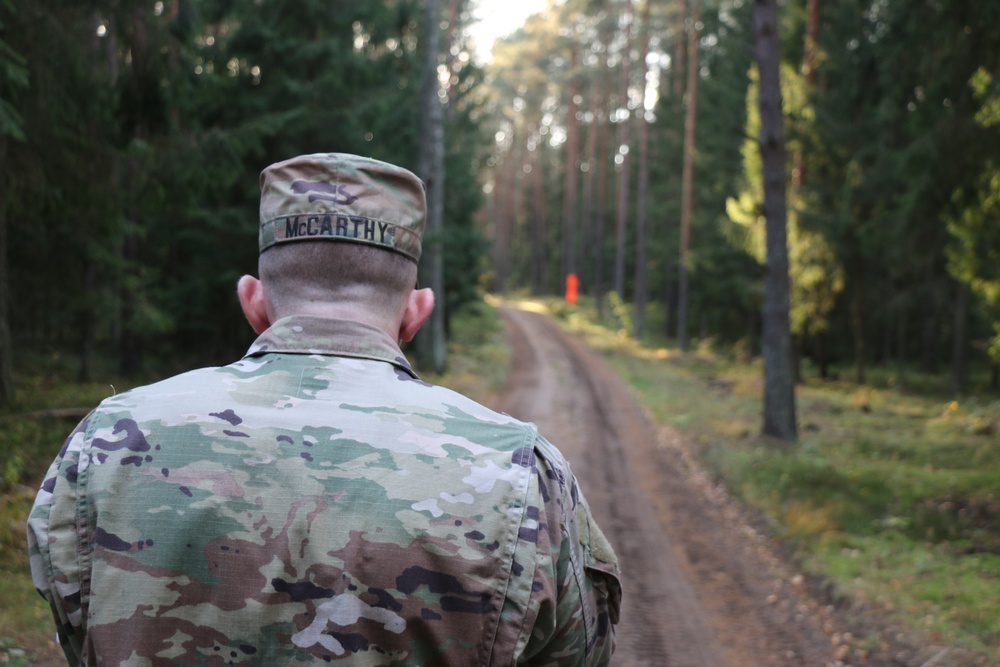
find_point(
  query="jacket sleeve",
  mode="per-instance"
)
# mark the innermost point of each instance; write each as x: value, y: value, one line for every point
x: 577, y: 592
x: 55, y: 549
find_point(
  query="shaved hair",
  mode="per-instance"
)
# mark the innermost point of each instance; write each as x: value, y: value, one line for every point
x: 305, y: 278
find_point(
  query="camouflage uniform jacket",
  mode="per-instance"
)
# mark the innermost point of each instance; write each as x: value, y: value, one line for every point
x: 312, y: 502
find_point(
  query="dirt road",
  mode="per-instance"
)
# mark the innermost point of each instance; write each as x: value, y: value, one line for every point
x: 702, y: 588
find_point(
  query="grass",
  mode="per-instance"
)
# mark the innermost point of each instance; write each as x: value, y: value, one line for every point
x: 478, y: 357
x: 891, y: 494
x: 29, y: 440
x: 26, y: 630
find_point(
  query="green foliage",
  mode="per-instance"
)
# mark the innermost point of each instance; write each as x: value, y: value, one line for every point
x: 815, y: 273
x: 478, y: 357
x: 26, y: 633
x: 146, y: 132
x: 988, y: 93
x: 974, y: 253
x: 13, y: 79
x: 891, y: 496
x: 620, y: 311
x: 894, y: 135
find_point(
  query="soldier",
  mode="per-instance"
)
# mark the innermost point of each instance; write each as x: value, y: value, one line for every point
x: 316, y: 501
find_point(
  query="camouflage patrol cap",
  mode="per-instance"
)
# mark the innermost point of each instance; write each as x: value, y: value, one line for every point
x: 340, y: 197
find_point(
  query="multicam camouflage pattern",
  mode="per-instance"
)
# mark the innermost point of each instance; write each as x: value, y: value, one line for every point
x: 316, y: 501
x: 340, y: 197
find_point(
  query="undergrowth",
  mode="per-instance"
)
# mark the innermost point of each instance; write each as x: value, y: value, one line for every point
x: 892, y: 494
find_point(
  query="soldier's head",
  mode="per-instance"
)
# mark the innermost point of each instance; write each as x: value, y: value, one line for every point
x: 340, y: 236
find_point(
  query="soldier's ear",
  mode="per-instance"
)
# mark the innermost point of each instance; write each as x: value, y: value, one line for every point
x: 251, y: 294
x: 419, y: 305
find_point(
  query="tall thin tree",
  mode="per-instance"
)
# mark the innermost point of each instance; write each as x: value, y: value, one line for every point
x: 431, y: 345
x: 779, y: 374
x: 641, y: 223
x: 6, y: 351
x: 687, y: 177
x: 602, y: 162
x: 572, y: 163
x: 539, y: 213
x: 588, y: 166
x: 15, y: 77
x: 624, y: 144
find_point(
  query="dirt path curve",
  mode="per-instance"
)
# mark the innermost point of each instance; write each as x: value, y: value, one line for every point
x: 701, y: 587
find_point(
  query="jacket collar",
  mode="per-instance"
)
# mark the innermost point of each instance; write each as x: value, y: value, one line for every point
x: 339, y: 338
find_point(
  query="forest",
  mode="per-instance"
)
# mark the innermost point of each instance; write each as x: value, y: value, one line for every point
x: 617, y: 140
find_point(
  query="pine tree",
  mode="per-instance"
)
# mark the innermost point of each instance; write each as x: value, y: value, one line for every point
x: 779, y: 377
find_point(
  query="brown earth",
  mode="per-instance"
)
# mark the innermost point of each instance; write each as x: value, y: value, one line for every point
x: 704, y: 586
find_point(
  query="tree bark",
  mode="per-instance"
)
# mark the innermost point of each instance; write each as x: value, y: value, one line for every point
x: 589, y: 215
x: 624, y: 141
x: 572, y: 166
x: 687, y: 176
x: 812, y: 34
x: 641, y: 223
x: 131, y: 341
x: 959, y: 343
x: 6, y: 351
x: 538, y: 249
x: 857, y: 321
x: 678, y: 64
x: 603, y: 131
x: 901, y: 338
x: 449, y: 56
x: 499, y: 215
x: 86, y: 322
x: 779, y: 376
x: 431, y: 344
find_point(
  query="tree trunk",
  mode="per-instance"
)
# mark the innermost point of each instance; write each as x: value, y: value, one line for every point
x: 821, y: 357
x: 449, y: 56
x: 431, y: 344
x: 809, y: 73
x: 677, y: 66
x: 571, y: 167
x: 928, y: 344
x: 86, y: 321
x: 959, y: 347
x: 624, y: 141
x: 687, y: 177
x: 812, y: 34
x: 589, y: 216
x: 501, y: 234
x: 6, y: 351
x: 539, y: 247
x: 779, y: 376
x: 901, y: 349
x: 131, y: 343
x: 603, y: 131
x: 669, y: 299
x: 857, y: 323
x: 641, y: 224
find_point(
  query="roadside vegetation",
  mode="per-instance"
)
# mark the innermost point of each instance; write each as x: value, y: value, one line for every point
x: 49, y: 403
x: 890, y: 498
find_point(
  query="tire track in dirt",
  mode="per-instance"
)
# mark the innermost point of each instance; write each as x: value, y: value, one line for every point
x: 697, y: 591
